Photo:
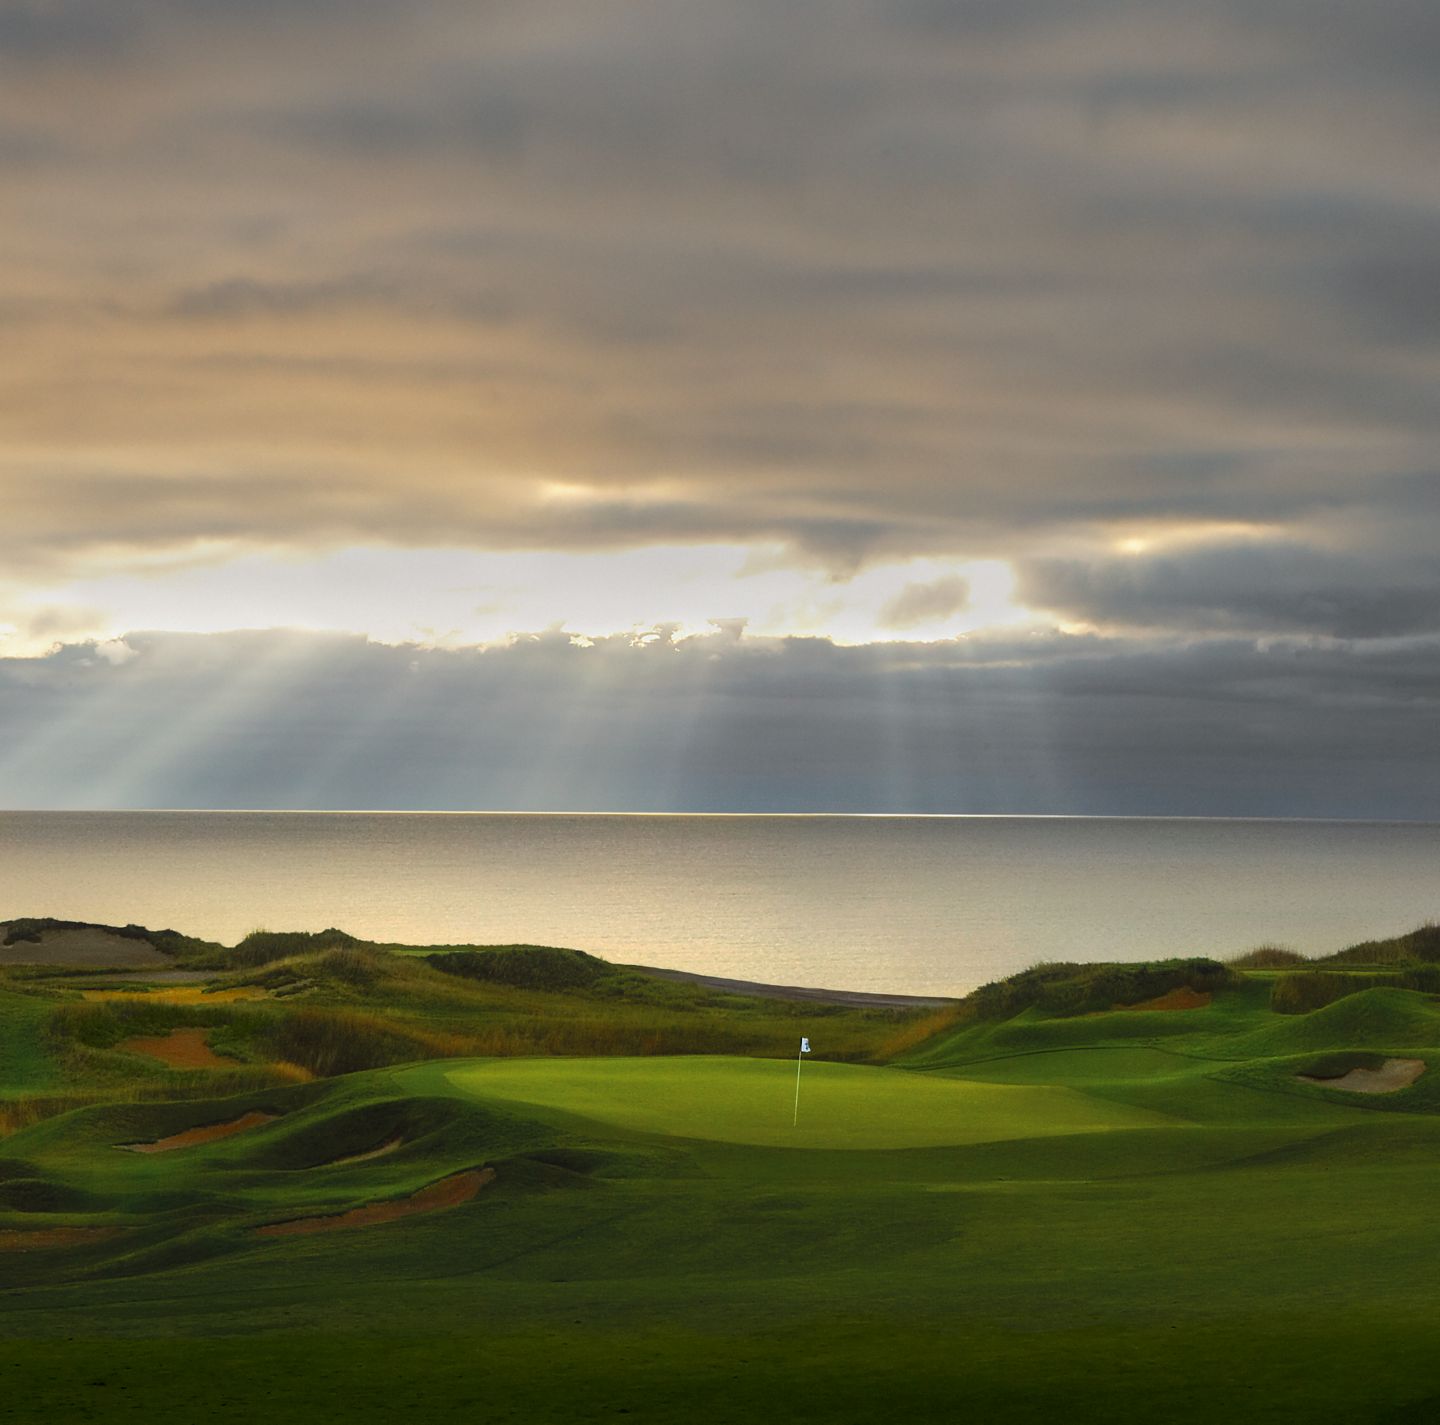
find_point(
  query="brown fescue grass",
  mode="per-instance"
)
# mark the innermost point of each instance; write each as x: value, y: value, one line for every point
x: 1304, y: 992
x: 1421, y: 945
x: 1268, y: 957
x: 344, y: 1009
x: 342, y: 1041
x: 338, y: 1041
x: 912, y: 1035
x: 25, y: 1112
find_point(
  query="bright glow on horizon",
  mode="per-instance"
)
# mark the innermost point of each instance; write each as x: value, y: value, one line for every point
x: 454, y: 597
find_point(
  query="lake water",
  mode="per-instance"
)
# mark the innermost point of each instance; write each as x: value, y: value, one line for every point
x: 914, y: 905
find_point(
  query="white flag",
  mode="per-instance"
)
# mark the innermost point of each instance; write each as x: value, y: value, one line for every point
x: 804, y: 1046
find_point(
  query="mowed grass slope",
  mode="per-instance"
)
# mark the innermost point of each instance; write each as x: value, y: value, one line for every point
x: 602, y: 1274
x: 24, y: 1063
x: 1083, y: 1214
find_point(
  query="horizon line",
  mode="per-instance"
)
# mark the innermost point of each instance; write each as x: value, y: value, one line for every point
x: 719, y: 815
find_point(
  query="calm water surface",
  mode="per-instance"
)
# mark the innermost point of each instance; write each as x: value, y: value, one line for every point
x: 906, y: 904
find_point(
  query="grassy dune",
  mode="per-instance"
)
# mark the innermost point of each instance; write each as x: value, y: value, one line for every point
x: 1026, y: 1208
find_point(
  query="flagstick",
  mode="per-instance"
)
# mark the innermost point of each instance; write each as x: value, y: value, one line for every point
x: 799, y: 1059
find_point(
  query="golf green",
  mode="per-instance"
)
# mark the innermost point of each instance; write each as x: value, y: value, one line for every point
x: 752, y: 1101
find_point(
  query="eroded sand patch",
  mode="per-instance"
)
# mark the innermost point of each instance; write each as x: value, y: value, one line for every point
x: 83, y: 946
x: 30, y: 1239
x: 1390, y: 1077
x: 390, y: 1146
x: 178, y: 994
x: 448, y: 1192
x: 1182, y: 998
x: 180, y: 1049
x: 208, y: 1133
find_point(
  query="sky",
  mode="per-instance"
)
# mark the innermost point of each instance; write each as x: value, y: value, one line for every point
x: 963, y: 406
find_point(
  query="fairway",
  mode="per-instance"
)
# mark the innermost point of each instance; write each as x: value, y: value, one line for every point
x: 752, y: 1102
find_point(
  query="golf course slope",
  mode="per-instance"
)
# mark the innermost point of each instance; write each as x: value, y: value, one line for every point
x: 522, y: 1184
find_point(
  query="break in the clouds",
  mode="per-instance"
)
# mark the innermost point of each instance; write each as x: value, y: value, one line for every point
x: 851, y: 319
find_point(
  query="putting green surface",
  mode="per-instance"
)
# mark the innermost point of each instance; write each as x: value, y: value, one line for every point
x: 752, y: 1101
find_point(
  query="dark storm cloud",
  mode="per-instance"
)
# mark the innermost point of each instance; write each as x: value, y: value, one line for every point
x: 1000, y: 278
x: 38, y: 31
x: 1253, y: 586
x: 726, y: 723
x: 1398, y: 294
x: 100, y: 32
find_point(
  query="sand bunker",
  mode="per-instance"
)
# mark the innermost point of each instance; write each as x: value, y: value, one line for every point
x: 380, y: 1152
x: 180, y: 1049
x: 1182, y: 998
x: 1391, y: 1076
x: 31, y: 1239
x: 448, y: 1192
x: 207, y: 1134
x: 82, y: 945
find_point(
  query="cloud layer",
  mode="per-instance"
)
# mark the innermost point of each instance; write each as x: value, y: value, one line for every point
x: 868, y: 278
x: 728, y: 723
x: 1136, y: 299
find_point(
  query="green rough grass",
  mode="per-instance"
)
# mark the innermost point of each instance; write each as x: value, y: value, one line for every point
x: 1369, y: 1019
x: 1251, y: 1369
x: 25, y: 1064
x: 1089, y: 1217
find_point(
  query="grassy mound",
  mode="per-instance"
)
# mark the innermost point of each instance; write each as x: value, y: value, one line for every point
x: 319, y: 1139
x: 528, y: 967
x: 1304, y: 991
x: 199, y: 1199
x: 22, y: 1194
x: 1090, y: 989
x: 1419, y: 946
x: 1034, y: 1032
x: 1383, y: 1018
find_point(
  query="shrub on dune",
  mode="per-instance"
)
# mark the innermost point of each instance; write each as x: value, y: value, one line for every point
x: 531, y: 967
x: 1268, y: 957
